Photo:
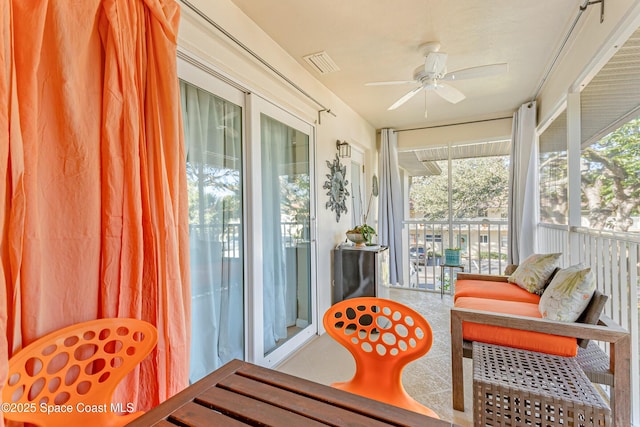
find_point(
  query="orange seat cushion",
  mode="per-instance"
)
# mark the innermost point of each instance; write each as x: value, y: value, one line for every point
x: 526, y: 340
x: 493, y: 290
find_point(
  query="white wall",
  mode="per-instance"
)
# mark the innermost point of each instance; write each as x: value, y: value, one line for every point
x: 203, y: 40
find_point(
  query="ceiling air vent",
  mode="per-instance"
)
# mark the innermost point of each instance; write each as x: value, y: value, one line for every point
x: 321, y: 62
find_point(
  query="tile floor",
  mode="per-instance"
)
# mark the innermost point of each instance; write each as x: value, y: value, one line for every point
x: 428, y: 379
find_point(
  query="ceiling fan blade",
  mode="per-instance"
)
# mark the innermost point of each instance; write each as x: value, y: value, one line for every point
x: 405, y: 98
x: 397, y: 82
x: 449, y: 93
x: 474, y: 72
x: 425, y: 104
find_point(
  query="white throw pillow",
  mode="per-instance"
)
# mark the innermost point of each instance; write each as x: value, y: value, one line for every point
x: 534, y: 272
x: 568, y: 294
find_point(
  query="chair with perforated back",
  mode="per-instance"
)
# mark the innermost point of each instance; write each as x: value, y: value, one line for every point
x: 383, y: 336
x: 68, y: 376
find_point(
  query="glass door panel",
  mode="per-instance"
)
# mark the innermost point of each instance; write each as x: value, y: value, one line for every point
x: 358, y: 189
x: 213, y: 142
x: 286, y: 268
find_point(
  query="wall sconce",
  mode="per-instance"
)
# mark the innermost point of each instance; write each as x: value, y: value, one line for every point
x: 344, y: 149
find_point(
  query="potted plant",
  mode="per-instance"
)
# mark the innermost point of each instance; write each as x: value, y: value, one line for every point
x: 433, y: 258
x: 361, y: 234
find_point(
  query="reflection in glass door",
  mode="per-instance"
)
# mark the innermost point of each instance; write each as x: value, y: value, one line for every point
x: 286, y: 268
x: 213, y: 142
x: 357, y: 187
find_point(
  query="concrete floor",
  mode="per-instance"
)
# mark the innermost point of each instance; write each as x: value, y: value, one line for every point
x: 428, y: 379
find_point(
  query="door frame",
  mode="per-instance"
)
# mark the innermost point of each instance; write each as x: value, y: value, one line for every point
x: 255, y: 345
x: 196, y: 73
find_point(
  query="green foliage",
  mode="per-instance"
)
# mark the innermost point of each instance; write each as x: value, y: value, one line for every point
x: 366, y: 230
x: 213, y: 194
x: 492, y: 255
x: 478, y: 185
x: 294, y: 197
x: 553, y: 187
x: 611, y: 178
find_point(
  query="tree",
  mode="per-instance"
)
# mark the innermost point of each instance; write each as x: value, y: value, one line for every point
x: 479, y: 185
x: 611, y: 178
x: 553, y: 187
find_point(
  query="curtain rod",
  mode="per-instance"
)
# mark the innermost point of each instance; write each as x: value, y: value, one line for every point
x: 453, y: 124
x: 564, y: 43
x: 257, y: 57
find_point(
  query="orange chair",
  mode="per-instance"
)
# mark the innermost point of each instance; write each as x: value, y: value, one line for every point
x: 383, y: 336
x: 67, y: 378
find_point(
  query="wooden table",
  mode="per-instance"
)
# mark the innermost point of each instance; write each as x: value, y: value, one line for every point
x: 241, y: 394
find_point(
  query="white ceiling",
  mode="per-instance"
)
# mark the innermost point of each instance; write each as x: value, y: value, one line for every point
x: 378, y: 40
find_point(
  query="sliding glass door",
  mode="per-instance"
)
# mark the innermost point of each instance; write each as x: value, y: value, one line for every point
x: 213, y: 141
x: 283, y: 207
x: 250, y: 224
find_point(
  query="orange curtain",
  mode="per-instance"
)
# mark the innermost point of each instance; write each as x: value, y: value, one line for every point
x: 94, y: 212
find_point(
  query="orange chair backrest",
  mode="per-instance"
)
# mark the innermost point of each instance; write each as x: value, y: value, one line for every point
x: 383, y: 336
x: 68, y: 376
x: 377, y: 330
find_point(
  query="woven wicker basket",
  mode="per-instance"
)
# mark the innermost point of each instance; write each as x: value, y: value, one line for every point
x: 516, y: 388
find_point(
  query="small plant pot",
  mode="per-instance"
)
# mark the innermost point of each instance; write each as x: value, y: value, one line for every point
x: 452, y: 256
x: 357, y: 238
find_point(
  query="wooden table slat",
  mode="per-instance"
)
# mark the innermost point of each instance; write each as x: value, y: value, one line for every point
x: 164, y: 423
x: 186, y: 395
x: 195, y: 415
x: 274, y: 399
x: 251, y: 410
x: 349, y: 401
x: 282, y: 398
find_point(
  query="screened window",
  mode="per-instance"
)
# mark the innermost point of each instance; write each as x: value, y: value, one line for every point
x: 479, y: 182
x: 458, y: 197
x: 610, y: 132
x: 611, y: 180
x: 552, y: 164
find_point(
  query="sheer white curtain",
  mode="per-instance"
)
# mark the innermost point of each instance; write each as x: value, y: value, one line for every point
x: 212, y: 129
x: 390, y: 206
x: 523, y: 206
x: 274, y: 138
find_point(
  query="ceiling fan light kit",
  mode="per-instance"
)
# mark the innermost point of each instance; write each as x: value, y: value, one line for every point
x: 434, y: 70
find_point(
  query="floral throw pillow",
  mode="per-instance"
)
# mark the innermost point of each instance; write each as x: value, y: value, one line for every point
x: 534, y: 272
x: 568, y: 294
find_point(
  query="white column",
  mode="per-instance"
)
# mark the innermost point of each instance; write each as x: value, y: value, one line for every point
x: 573, y: 172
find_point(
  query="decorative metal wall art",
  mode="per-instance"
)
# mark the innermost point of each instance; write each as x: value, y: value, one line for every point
x: 337, y: 185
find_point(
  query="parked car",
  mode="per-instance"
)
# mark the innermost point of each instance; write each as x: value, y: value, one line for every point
x: 417, y: 254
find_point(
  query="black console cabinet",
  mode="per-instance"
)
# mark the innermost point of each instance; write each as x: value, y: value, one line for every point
x: 360, y: 272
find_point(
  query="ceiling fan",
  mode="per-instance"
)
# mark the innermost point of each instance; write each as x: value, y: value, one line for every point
x: 434, y: 71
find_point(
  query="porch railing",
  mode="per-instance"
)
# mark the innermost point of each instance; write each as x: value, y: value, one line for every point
x: 614, y: 258
x: 482, y: 243
x: 228, y: 237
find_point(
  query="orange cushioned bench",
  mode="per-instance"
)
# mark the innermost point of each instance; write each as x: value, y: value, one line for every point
x: 493, y: 290
x: 495, y: 294
x: 491, y: 310
x: 526, y: 340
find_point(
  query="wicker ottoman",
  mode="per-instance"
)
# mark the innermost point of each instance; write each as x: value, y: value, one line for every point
x: 514, y: 387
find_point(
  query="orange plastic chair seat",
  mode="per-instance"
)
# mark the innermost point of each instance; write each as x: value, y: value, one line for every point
x: 383, y: 336
x: 67, y: 378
